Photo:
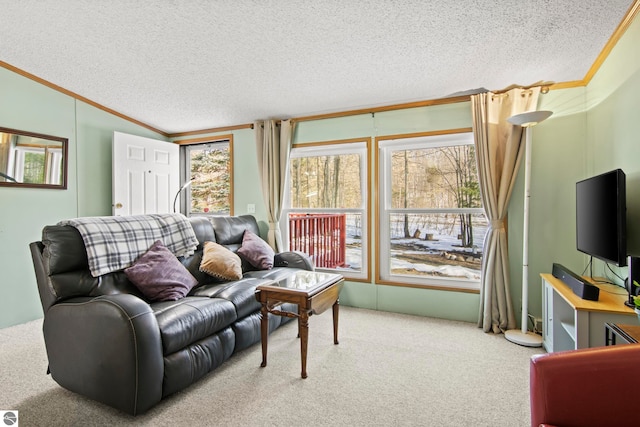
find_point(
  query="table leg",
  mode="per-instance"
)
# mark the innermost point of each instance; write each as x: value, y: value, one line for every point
x: 336, y: 310
x: 304, y: 339
x: 264, y: 332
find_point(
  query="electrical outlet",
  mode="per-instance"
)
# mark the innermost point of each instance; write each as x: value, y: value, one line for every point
x: 251, y: 208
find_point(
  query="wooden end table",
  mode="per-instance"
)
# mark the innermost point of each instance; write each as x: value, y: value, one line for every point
x: 313, y: 293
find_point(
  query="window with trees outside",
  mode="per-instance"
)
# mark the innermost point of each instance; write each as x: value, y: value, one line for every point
x: 326, y: 205
x: 37, y: 165
x: 208, y: 167
x: 432, y: 223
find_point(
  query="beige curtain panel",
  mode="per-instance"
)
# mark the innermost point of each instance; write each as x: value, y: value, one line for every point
x: 499, y: 149
x: 273, y: 143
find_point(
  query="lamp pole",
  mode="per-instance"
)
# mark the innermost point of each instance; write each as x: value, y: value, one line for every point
x: 175, y: 199
x: 523, y: 336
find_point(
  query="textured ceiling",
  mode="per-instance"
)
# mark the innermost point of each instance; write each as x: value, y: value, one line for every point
x: 189, y: 65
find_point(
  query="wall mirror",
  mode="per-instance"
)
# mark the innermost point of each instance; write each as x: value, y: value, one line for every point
x: 30, y: 159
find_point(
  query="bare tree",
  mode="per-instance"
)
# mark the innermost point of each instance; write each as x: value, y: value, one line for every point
x: 336, y: 181
x: 463, y: 185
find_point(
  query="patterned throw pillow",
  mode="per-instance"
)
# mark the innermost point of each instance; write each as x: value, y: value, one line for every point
x: 159, y: 275
x: 220, y: 262
x: 256, y: 251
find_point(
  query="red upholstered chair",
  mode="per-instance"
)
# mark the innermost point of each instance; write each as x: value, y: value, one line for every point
x: 588, y: 387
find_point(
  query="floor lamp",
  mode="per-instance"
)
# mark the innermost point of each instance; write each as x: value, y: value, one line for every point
x: 188, y: 183
x: 523, y: 336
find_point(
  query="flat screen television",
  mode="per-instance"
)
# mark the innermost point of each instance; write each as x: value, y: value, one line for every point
x: 601, y: 217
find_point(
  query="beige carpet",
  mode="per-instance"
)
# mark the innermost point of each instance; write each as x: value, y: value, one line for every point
x: 389, y: 369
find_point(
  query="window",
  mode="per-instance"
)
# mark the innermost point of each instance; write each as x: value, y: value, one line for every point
x: 208, y: 167
x: 326, y: 200
x: 36, y: 164
x: 33, y: 168
x: 432, y: 223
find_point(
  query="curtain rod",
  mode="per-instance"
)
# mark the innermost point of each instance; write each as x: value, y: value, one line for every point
x: 544, y: 88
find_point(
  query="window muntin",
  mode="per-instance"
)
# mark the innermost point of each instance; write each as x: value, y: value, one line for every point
x: 209, y: 168
x: 326, y: 199
x: 432, y: 223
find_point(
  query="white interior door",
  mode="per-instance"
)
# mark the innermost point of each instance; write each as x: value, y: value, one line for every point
x: 145, y: 175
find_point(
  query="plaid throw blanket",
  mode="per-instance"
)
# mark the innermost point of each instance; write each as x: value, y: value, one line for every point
x: 115, y: 242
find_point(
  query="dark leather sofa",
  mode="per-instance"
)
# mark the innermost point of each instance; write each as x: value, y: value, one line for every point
x: 106, y: 342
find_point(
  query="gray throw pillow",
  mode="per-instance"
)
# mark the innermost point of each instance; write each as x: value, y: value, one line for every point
x: 159, y: 275
x: 256, y: 251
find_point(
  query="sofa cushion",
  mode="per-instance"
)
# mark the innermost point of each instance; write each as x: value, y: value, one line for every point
x: 248, y: 332
x: 64, y: 249
x: 256, y: 251
x: 191, y: 319
x: 159, y: 275
x: 220, y: 262
x: 194, y: 361
x: 241, y: 293
x: 230, y: 230
x: 203, y: 229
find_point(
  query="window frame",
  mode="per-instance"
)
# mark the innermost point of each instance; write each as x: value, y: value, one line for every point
x: 361, y: 146
x: 385, y: 146
x: 186, y: 146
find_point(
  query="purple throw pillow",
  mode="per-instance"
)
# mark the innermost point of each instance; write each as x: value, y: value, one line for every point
x: 256, y: 251
x: 159, y: 275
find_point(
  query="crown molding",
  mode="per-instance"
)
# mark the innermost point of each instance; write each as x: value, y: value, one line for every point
x: 613, y: 40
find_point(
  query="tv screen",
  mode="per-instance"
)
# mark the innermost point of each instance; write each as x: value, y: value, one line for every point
x: 601, y: 217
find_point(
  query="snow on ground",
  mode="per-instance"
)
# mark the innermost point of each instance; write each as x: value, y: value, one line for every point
x: 439, y: 243
x: 439, y: 270
x: 442, y: 244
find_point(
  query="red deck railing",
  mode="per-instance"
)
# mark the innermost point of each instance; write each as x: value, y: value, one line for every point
x: 321, y: 236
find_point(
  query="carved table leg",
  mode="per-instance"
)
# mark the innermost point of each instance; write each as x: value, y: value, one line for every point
x: 304, y: 339
x: 264, y: 332
x: 336, y: 309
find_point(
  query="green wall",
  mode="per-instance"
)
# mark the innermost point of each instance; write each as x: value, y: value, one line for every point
x: 30, y: 106
x: 613, y: 127
x: 557, y: 163
x: 593, y: 129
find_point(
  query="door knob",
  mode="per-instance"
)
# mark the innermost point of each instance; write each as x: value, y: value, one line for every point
x: 118, y: 205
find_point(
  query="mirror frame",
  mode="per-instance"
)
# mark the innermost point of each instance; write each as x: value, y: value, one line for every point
x: 65, y: 160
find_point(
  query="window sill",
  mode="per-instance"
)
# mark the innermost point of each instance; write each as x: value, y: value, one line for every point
x: 473, y: 288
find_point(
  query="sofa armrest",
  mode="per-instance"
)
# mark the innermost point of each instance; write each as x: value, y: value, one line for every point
x: 293, y: 259
x: 107, y: 348
x: 587, y: 387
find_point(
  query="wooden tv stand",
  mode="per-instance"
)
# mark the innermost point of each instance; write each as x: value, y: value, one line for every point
x: 570, y: 322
